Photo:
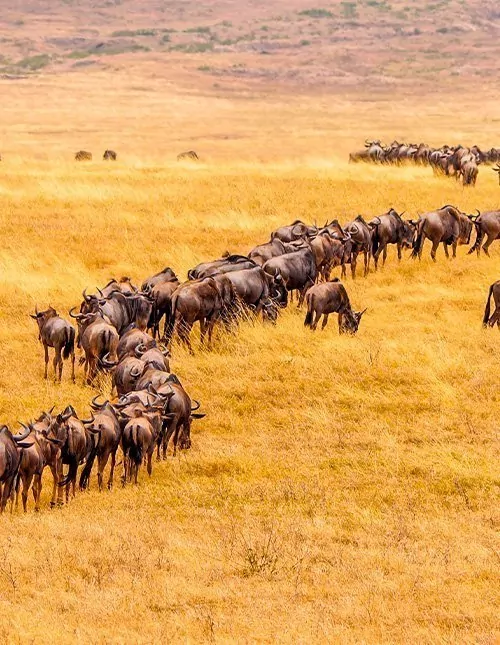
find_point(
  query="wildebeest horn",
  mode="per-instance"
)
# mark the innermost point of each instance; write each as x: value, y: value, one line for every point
x: 152, y: 390
x: 36, y: 310
x: 107, y: 363
x: 196, y: 405
x: 402, y: 213
x: 140, y: 350
x: 135, y: 372
x: 21, y: 437
x: 77, y: 316
x: 86, y: 421
x: 96, y: 405
x: 85, y: 296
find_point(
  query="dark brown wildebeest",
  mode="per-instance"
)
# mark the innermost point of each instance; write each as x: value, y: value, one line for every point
x: 359, y: 235
x: 258, y: 290
x: 328, y: 298
x: 109, y: 155
x: 390, y: 228
x: 152, y: 377
x: 54, y: 331
x: 98, y: 339
x: 161, y: 294
x: 469, y: 171
x: 328, y: 253
x: 124, y: 285
x: 153, y: 356
x: 126, y: 374
x: 166, y: 275
x: 83, y: 155
x: 121, y: 309
x: 10, y: 459
x: 497, y: 169
x: 296, y: 270
x: 190, y: 155
x: 199, y: 300
x: 495, y: 317
x: 76, y: 446
x: 263, y: 252
x: 447, y: 225
x: 139, y: 438
x: 107, y: 433
x: 31, y: 468
x: 294, y: 231
x: 487, y: 225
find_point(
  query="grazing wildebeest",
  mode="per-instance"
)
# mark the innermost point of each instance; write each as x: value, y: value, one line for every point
x: 297, y: 270
x: 54, y: 331
x: 223, y: 265
x: 99, y: 339
x: 10, y: 459
x: 495, y: 317
x: 109, y: 155
x: 390, y: 228
x: 199, y: 300
x: 328, y: 298
x: 294, y: 231
x: 360, y: 237
x: 447, y: 225
x: 497, y: 169
x: 105, y: 427
x: 190, y: 155
x: 76, y: 445
x: 486, y: 224
x: 83, y: 155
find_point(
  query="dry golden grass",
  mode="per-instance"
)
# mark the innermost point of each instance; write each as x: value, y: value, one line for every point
x: 339, y: 489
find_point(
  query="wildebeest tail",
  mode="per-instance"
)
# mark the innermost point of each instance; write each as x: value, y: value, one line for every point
x: 487, y: 309
x: 419, y: 239
x: 72, y: 471
x: 170, y: 319
x: 136, y: 449
x: 309, y: 314
x: 69, y: 345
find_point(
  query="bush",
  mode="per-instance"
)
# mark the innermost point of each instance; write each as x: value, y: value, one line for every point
x: 316, y: 13
x: 34, y: 63
x: 131, y: 33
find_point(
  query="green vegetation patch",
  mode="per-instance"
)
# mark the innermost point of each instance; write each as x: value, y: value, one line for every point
x: 316, y: 13
x: 131, y: 33
x: 34, y: 63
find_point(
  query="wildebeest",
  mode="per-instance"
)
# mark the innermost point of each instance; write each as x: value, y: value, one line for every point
x: 165, y: 275
x: 373, y: 152
x: 121, y: 309
x: 497, y: 169
x: 328, y: 298
x: 293, y: 231
x: 51, y: 449
x: 495, y: 317
x: 198, y: 300
x: 76, y: 446
x: 36, y: 454
x: 328, y: 252
x: 263, y: 252
x: 10, y: 459
x: 447, y: 225
x: 83, y: 155
x: 390, y: 228
x: 98, y: 339
x: 297, y: 270
x: 54, y: 331
x: 360, y: 237
x: 139, y: 439
x: 124, y: 285
x: 105, y: 428
x: 130, y: 339
x: 223, y: 265
x: 109, y: 155
x: 161, y: 293
x: 487, y: 225
x: 190, y: 155
x: 258, y: 290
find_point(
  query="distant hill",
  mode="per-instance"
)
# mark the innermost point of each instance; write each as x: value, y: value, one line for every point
x: 378, y: 43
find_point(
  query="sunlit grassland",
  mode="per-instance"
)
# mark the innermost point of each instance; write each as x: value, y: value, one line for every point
x: 339, y: 490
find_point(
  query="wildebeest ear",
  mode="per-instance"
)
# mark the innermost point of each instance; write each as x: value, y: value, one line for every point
x: 362, y: 312
x: 34, y: 316
x: 197, y: 415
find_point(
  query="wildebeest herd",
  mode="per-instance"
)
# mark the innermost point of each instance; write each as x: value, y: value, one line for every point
x: 110, y: 155
x: 461, y: 162
x: 118, y: 330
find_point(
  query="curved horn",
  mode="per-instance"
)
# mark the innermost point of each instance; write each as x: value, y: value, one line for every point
x: 140, y: 350
x: 96, y: 405
x: 21, y: 437
x: 196, y: 405
x: 85, y: 296
x: 77, y: 316
x: 107, y: 363
x: 100, y: 293
x: 135, y: 372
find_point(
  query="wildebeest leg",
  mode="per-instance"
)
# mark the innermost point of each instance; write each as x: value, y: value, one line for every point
x: 102, y: 461
x: 112, y: 470
x: 303, y: 291
x: 46, y: 359
x: 354, y: 260
x: 384, y: 255
x: 37, y: 490
x: 317, y: 316
x: 73, y: 366
x: 26, y: 487
x: 491, y: 238
x: 150, y: 463
x: 203, y: 330
x: 55, y: 487
x: 445, y: 246
x: 55, y: 362
x: 366, y: 262
x: 435, y: 245
x: 400, y: 254
x: 169, y: 431
x: 340, y: 322
x: 454, y: 248
x: 184, y: 331
x: 325, y: 321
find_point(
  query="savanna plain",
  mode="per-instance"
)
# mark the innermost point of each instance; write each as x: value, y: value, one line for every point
x: 340, y: 489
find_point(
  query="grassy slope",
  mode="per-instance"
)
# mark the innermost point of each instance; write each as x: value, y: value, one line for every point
x: 339, y: 489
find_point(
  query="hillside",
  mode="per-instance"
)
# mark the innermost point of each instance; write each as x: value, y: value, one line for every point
x: 376, y: 44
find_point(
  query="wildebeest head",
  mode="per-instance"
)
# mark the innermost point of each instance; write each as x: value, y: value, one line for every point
x: 349, y: 322
x: 41, y: 317
x: 278, y: 291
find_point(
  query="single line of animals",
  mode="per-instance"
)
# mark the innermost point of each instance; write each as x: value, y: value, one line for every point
x: 462, y: 162
x: 111, y: 155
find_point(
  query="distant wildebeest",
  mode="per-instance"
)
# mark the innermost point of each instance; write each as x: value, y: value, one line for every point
x: 495, y: 317
x: 373, y: 152
x: 83, y: 155
x: 190, y: 155
x: 328, y: 298
x: 360, y: 236
x: 54, y: 331
x: 487, y: 225
x: 10, y: 459
x: 497, y: 169
x: 296, y: 270
x: 109, y: 155
x: 447, y: 225
x: 390, y: 228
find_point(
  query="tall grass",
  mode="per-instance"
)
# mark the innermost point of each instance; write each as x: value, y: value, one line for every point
x: 339, y: 489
